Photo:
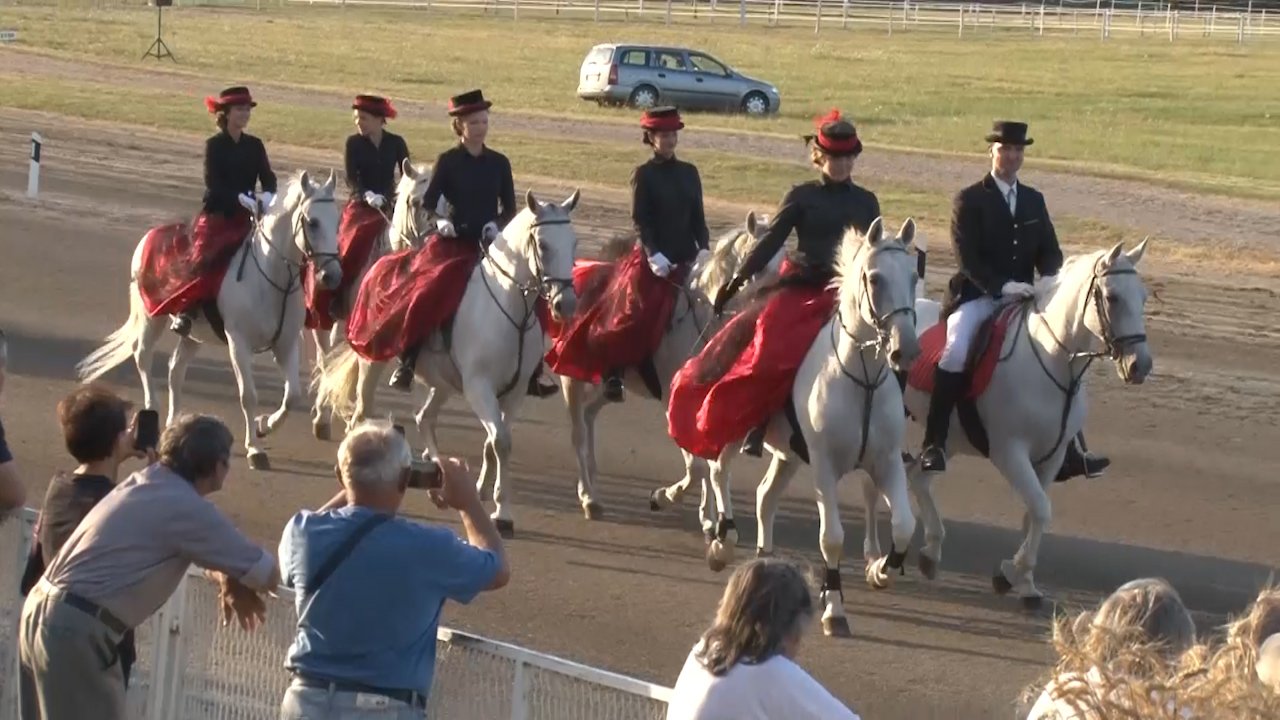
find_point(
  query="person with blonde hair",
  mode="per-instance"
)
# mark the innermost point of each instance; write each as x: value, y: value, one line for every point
x: 1138, y: 632
x: 743, y: 667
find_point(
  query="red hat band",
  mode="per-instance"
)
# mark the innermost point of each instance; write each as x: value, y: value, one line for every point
x: 839, y: 145
x: 213, y: 104
x: 668, y: 123
x: 842, y: 143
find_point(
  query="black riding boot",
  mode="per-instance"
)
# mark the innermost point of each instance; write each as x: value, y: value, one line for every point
x: 612, y: 383
x: 402, y: 378
x: 537, y: 389
x: 181, y: 323
x: 1078, y: 461
x: 947, y: 387
x: 754, y: 446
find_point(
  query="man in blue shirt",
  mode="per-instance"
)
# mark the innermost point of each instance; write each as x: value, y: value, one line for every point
x: 370, y: 586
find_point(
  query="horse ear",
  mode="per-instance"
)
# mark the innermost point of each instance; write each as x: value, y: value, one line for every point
x: 1136, y: 254
x: 908, y: 232
x: 1114, y: 253
x: 751, y: 222
x: 530, y: 201
x: 304, y: 182
x: 572, y: 201
x: 875, y: 231
x: 408, y: 169
x: 328, y: 184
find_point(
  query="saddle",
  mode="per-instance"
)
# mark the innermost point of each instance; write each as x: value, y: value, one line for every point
x: 979, y: 368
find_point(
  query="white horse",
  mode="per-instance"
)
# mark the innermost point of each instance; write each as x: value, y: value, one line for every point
x: 261, y: 305
x: 849, y: 412
x: 497, y: 341
x: 1034, y: 404
x: 692, y: 321
x: 407, y: 228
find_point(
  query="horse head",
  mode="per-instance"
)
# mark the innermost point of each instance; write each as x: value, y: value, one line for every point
x: 876, y: 276
x: 311, y: 214
x: 409, y: 217
x: 1118, y: 299
x: 550, y: 247
x: 728, y: 253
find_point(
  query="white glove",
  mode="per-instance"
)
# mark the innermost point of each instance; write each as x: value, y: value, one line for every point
x: 374, y: 199
x: 445, y: 228
x: 659, y: 264
x: 703, y: 256
x: 247, y: 202
x: 1013, y: 288
x: 490, y: 231
x: 266, y: 199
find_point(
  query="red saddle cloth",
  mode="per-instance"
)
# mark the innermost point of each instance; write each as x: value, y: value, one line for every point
x: 410, y: 294
x: 358, y: 233
x: 745, y: 373
x: 982, y: 362
x: 184, y: 266
x: 623, y: 312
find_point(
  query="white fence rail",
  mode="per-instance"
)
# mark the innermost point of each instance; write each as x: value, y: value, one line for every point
x: 1098, y: 18
x: 191, y: 669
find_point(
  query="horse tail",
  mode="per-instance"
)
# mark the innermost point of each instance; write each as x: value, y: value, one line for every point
x: 119, y: 345
x: 334, y: 381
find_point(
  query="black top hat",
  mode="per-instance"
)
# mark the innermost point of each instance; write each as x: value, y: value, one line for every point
x: 1009, y: 132
x: 237, y: 95
x: 467, y: 103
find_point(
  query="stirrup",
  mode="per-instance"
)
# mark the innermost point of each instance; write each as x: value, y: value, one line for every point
x: 402, y: 379
x: 181, y: 324
x: 933, y: 459
x: 612, y: 386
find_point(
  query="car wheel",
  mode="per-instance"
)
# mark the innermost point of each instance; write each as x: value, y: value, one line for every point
x: 644, y: 97
x: 755, y: 103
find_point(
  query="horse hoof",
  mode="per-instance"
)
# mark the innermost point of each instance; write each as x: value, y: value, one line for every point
x: 878, y: 580
x: 1032, y: 603
x: 259, y: 461
x: 928, y: 566
x: 321, y: 432
x: 708, y: 536
x: 506, y: 528
x: 1000, y: 583
x: 593, y: 510
x: 261, y: 426
x: 837, y: 626
x: 654, y: 505
x: 714, y: 561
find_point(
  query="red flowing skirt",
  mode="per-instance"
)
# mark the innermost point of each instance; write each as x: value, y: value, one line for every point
x: 358, y: 233
x: 182, y: 267
x: 746, y: 372
x: 624, y: 312
x: 408, y: 295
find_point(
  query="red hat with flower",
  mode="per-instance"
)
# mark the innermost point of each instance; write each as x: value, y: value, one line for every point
x: 835, y: 135
x: 232, y: 96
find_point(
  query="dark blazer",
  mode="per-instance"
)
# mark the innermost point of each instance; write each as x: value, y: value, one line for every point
x: 666, y: 208
x: 992, y: 246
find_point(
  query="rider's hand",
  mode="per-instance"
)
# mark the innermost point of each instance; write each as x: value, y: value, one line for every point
x: 266, y: 199
x: 374, y: 199
x: 726, y: 293
x: 1015, y: 289
x: 490, y: 232
x: 445, y: 228
x: 247, y: 202
x: 659, y: 264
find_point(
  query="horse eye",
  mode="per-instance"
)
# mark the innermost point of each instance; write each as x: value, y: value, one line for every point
x: 874, y: 279
x: 1112, y: 298
x: 313, y: 223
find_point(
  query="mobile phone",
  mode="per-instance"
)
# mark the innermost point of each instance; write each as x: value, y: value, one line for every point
x: 425, y: 475
x: 146, y: 430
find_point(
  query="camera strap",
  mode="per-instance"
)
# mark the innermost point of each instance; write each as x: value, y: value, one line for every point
x: 340, y: 555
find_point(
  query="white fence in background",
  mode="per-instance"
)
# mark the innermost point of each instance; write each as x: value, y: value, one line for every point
x: 189, y: 668
x: 1097, y: 18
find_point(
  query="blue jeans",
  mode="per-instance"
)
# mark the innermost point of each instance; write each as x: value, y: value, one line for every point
x: 303, y: 703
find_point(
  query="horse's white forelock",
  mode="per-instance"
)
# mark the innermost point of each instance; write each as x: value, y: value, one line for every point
x: 850, y: 262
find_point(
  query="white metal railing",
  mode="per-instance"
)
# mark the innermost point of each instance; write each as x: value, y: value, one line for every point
x: 191, y: 669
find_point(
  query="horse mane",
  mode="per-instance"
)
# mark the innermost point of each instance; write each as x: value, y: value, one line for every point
x: 1082, y: 263
x: 727, y: 253
x: 850, y: 262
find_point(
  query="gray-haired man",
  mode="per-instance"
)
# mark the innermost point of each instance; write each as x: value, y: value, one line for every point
x: 122, y: 562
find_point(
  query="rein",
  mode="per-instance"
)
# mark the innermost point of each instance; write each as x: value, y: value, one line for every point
x: 418, y: 234
x: 880, y: 322
x: 1112, y: 347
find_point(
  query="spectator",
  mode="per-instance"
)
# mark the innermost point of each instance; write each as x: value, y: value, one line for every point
x: 121, y: 564
x: 743, y: 667
x: 1104, y: 655
x: 371, y: 586
x: 96, y: 430
x: 12, y: 492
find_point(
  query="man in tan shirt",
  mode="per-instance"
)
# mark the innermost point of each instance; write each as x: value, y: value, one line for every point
x: 121, y: 564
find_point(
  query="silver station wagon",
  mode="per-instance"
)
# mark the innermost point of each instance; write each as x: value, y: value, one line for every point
x: 643, y: 76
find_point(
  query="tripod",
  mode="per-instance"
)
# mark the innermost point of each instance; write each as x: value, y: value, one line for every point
x: 158, y: 48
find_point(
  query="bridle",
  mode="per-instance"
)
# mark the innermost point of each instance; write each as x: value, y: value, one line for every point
x: 881, y: 323
x: 416, y: 233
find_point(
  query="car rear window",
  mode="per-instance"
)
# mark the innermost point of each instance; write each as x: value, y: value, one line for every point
x: 599, y: 55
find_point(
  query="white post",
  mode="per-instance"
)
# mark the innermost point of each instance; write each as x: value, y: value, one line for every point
x: 168, y: 659
x: 520, y: 693
x: 817, y: 21
x: 33, y: 171
x: 742, y: 13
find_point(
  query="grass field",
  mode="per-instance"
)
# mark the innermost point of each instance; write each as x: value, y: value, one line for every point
x: 1200, y: 113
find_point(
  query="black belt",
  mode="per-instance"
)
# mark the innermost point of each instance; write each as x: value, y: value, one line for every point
x: 93, y: 609
x: 409, y: 697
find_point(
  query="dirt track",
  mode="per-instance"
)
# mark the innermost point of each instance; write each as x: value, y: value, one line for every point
x: 1191, y: 496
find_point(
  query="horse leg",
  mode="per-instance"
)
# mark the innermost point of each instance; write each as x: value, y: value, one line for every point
x: 871, y: 551
x: 143, y: 351
x: 768, y: 492
x: 426, y: 419
x: 178, y: 361
x: 287, y: 362
x: 831, y: 533
x: 706, y: 517
x: 497, y: 452
x: 321, y: 416
x: 935, y: 533
x: 720, y: 550
x: 891, y: 482
x: 366, y: 388
x: 582, y: 418
x: 1017, y: 573
x: 665, y: 497
x: 242, y: 365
